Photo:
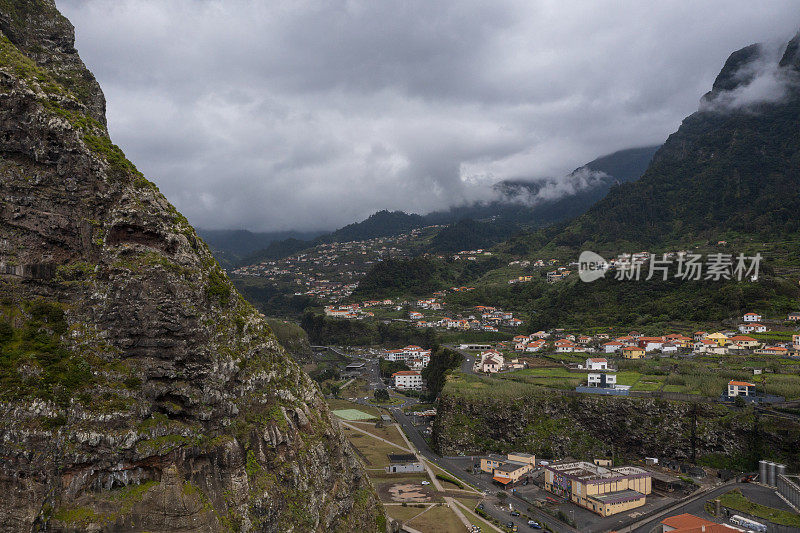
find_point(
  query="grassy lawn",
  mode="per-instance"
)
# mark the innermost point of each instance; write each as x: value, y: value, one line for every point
x: 403, y: 514
x: 442, y: 471
x: 736, y: 500
x: 392, y: 401
x: 335, y: 404
x: 440, y: 519
x: 374, y: 451
x: 628, y: 377
x: 390, y: 433
x: 551, y: 377
x: 647, y: 385
x: 773, y: 336
x: 352, y: 414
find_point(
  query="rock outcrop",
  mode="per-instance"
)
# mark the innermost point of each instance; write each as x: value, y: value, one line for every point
x: 554, y: 423
x: 138, y: 390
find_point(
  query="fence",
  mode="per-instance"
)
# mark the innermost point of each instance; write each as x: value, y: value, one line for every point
x: 788, y: 488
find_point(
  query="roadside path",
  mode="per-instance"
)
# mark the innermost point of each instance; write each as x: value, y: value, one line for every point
x: 451, y: 502
x: 489, y: 524
x: 351, y: 426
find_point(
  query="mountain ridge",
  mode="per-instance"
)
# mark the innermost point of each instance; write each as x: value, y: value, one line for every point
x: 139, y: 390
x: 508, y: 214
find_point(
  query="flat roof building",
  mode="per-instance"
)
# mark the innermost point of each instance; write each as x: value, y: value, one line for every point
x: 509, y: 469
x: 605, y: 491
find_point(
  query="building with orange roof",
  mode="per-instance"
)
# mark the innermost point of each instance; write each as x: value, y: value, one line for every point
x: 407, y: 380
x: 632, y: 352
x: 741, y: 388
x: 743, y: 341
x: 689, y: 523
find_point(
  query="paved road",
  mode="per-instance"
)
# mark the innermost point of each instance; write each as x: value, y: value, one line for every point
x: 756, y: 493
x: 484, y: 485
x: 469, y: 358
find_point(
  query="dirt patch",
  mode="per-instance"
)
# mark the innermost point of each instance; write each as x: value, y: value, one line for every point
x: 404, y: 493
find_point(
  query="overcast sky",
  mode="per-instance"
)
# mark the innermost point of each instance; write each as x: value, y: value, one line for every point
x: 314, y: 114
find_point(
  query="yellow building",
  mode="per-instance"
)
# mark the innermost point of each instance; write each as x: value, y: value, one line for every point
x: 632, y: 352
x: 720, y: 338
x: 510, y: 469
x: 606, y: 491
x: 743, y: 341
x: 527, y: 458
x: 488, y: 464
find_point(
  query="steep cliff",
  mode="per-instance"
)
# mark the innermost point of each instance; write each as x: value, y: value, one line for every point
x: 138, y: 390
x: 558, y: 424
x: 731, y: 166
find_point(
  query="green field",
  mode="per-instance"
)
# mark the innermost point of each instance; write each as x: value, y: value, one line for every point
x: 736, y: 500
x: 352, y: 414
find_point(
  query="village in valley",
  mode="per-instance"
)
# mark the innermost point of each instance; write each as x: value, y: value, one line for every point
x: 519, y: 490
x: 384, y: 399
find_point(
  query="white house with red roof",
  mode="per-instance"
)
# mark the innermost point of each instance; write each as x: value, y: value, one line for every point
x: 689, y: 523
x: 751, y: 317
x: 565, y: 346
x: 741, y: 388
x: 534, y: 346
x: 773, y: 350
x: 612, y: 346
x: 407, y: 380
x: 651, y: 344
x: 409, y: 353
x: 491, y: 361
x: 753, y: 327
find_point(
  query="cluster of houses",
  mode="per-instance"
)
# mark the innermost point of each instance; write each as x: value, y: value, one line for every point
x: 558, y: 274
x: 634, y: 345
x: 415, y: 357
x: 330, y: 271
x: 348, y: 311
x: 471, y: 255
x: 484, y: 319
x: 492, y: 361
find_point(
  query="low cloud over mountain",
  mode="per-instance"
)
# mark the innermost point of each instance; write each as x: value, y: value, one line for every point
x: 299, y: 115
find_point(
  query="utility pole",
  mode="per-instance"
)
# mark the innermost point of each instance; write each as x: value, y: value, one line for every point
x: 694, y: 433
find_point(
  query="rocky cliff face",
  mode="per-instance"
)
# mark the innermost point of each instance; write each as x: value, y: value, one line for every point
x: 553, y: 424
x: 138, y: 390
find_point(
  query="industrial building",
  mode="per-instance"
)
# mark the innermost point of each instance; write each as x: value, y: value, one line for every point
x: 606, y: 491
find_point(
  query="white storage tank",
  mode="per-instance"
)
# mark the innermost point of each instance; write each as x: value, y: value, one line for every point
x: 762, y: 471
x: 780, y: 470
x: 771, y: 474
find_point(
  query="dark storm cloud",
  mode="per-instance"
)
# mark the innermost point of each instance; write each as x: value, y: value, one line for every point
x: 300, y: 114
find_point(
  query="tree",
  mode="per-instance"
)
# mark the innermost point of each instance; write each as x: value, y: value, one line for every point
x: 442, y: 362
x: 381, y: 395
x: 390, y: 367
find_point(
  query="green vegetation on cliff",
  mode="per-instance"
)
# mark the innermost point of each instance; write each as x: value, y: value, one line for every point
x: 482, y: 414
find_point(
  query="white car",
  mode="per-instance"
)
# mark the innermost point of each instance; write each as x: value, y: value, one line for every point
x: 426, y: 482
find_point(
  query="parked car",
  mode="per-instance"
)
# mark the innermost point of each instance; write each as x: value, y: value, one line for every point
x: 426, y: 482
x: 534, y: 524
x: 514, y: 513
